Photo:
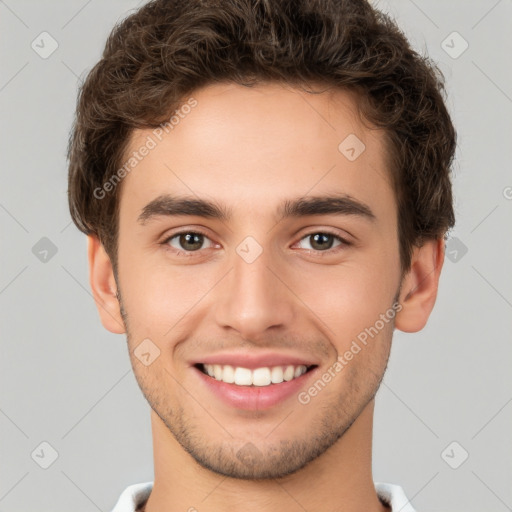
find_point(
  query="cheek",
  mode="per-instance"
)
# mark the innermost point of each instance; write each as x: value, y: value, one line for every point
x: 350, y: 298
x: 158, y: 298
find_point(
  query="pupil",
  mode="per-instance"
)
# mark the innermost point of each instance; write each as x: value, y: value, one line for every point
x: 189, y: 239
x: 318, y: 237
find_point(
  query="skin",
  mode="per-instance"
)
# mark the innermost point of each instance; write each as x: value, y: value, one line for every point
x: 248, y: 149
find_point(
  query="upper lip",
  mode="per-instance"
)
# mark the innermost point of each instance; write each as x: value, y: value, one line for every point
x: 255, y: 360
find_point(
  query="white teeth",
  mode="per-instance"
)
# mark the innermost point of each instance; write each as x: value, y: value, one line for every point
x: 228, y: 375
x: 243, y: 377
x: 276, y: 375
x: 289, y: 373
x: 261, y: 377
x: 298, y: 372
x: 264, y: 376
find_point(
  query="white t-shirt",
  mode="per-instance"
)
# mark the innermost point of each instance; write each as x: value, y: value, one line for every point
x: 136, y: 494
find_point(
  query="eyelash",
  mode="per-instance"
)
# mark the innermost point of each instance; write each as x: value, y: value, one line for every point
x: 199, y: 232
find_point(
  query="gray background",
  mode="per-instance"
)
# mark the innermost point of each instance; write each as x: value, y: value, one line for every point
x: 68, y: 382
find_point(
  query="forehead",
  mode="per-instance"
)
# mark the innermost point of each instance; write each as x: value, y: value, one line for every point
x: 249, y: 146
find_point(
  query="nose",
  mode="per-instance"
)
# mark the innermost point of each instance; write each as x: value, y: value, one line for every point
x: 254, y: 297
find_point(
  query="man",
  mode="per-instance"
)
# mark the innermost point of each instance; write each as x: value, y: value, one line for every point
x: 266, y: 188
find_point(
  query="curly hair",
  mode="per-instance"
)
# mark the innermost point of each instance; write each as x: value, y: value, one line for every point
x: 169, y: 48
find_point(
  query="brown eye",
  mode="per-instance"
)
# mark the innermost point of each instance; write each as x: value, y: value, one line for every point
x: 321, y: 241
x: 187, y: 241
x: 190, y: 241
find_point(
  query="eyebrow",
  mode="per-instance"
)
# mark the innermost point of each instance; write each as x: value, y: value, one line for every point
x: 337, y: 204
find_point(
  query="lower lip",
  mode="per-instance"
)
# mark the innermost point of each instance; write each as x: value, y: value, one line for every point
x: 255, y: 397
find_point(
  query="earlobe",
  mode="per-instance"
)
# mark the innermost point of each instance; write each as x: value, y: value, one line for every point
x: 419, y: 286
x: 104, y: 287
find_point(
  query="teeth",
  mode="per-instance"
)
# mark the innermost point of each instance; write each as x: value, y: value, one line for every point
x: 264, y: 376
x: 276, y: 375
x: 228, y: 374
x: 243, y: 377
x: 261, y: 377
x: 289, y: 373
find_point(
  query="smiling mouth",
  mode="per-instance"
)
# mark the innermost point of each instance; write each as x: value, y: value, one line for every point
x: 257, y: 377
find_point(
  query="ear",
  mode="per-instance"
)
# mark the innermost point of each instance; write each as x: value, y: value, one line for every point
x: 104, y: 287
x: 419, y: 286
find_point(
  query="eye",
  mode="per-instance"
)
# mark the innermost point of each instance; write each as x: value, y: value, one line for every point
x: 322, y: 241
x: 186, y: 241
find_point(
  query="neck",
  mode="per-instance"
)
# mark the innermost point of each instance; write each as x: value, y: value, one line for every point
x: 340, y: 479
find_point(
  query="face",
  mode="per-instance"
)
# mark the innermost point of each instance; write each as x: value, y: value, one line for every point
x: 259, y: 272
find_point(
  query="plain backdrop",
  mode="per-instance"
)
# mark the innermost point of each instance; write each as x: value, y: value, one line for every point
x: 68, y: 398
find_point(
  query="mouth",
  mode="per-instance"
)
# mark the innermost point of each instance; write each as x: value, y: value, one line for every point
x: 257, y: 380
x: 255, y: 377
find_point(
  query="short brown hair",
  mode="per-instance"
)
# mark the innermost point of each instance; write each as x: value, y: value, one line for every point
x: 168, y: 48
